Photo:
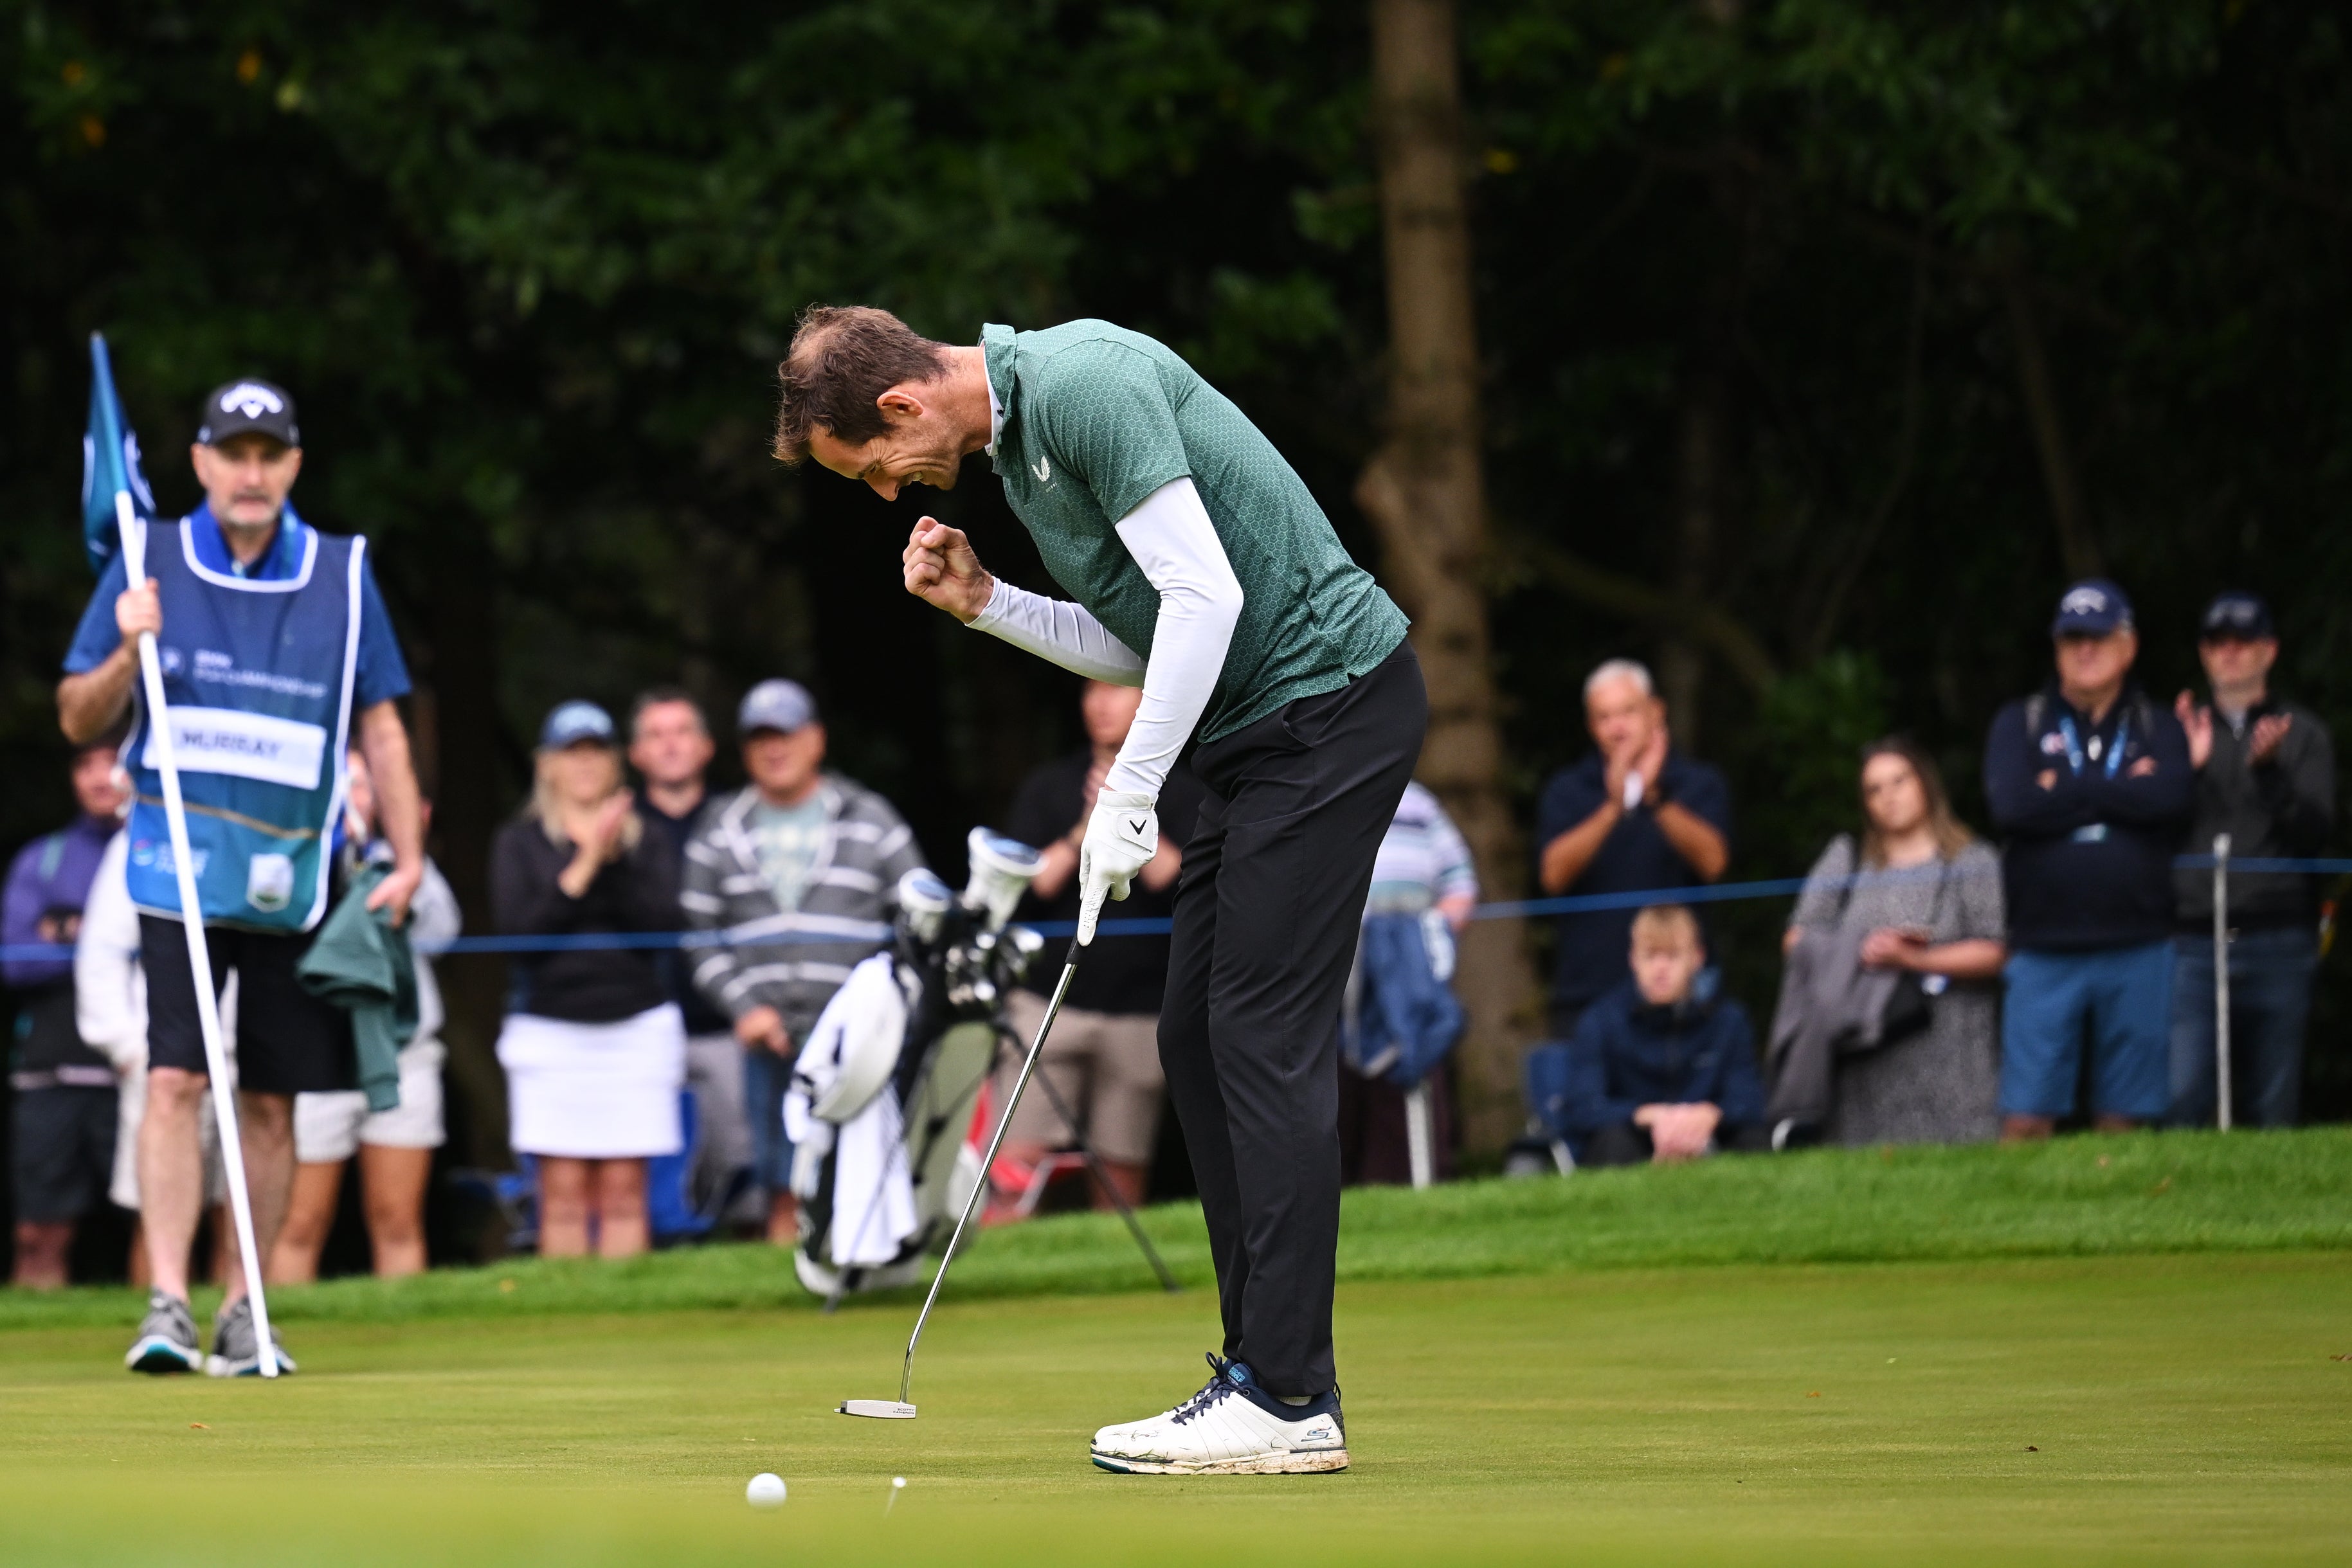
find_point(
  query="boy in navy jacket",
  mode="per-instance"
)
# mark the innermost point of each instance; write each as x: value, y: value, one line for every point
x: 1656, y: 1072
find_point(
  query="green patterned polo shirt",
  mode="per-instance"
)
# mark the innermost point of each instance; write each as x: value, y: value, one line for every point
x: 1095, y: 418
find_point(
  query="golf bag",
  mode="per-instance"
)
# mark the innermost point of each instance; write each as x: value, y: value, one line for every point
x: 883, y: 1091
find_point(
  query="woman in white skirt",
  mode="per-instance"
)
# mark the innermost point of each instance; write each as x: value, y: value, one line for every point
x: 593, y: 1051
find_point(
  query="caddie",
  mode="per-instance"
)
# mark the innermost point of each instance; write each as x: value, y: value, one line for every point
x: 277, y: 656
x: 1205, y: 572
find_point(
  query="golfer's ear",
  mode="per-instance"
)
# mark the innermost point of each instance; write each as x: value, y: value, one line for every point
x: 901, y: 401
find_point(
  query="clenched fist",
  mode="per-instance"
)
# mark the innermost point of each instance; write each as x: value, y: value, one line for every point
x: 941, y: 569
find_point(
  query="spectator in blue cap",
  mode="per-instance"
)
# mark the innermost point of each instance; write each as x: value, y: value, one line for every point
x: 2265, y: 776
x: 2091, y: 783
x: 593, y: 1048
x: 804, y: 866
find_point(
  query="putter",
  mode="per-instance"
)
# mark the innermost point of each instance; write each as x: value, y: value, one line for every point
x: 902, y: 1408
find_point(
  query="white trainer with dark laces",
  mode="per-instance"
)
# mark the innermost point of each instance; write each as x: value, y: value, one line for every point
x: 1232, y: 1428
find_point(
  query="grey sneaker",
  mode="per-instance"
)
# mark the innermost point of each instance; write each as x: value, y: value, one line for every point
x: 167, y: 1337
x: 234, y: 1352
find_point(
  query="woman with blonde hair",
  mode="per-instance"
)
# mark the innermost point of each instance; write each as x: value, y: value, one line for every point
x: 593, y: 1050
x: 1917, y: 892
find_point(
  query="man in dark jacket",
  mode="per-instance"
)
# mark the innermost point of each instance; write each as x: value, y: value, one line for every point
x: 2090, y: 781
x: 1657, y: 1073
x: 2266, y: 777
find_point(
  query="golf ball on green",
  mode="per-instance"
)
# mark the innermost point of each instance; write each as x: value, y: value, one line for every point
x: 766, y: 1490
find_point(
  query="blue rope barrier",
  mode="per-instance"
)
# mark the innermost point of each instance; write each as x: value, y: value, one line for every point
x: 1516, y: 909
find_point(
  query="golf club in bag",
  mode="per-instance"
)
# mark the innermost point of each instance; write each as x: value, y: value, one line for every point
x: 879, y: 1172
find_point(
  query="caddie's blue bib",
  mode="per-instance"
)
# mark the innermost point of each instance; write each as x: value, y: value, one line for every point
x: 258, y: 676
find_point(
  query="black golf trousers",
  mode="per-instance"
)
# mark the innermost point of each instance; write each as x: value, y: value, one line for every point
x: 1267, y: 910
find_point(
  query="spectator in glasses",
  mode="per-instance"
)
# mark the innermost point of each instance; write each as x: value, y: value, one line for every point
x: 2266, y: 777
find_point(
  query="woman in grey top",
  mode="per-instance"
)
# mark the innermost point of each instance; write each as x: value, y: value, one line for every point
x: 1927, y: 899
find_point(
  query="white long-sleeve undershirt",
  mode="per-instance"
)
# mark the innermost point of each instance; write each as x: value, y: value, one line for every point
x: 1059, y: 630
x: 1176, y: 547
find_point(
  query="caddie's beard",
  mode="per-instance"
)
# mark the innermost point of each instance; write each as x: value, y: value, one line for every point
x: 253, y: 530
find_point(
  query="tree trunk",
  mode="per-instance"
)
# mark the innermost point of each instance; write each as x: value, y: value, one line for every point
x: 1699, y: 505
x: 1425, y: 495
x: 2076, y: 548
x: 1703, y: 429
x: 472, y: 796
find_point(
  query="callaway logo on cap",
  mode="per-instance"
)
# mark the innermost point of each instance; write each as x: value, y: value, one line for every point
x: 248, y: 407
x: 251, y: 400
x: 2091, y: 609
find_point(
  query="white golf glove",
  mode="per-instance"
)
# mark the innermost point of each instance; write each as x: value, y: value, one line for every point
x: 1121, y: 838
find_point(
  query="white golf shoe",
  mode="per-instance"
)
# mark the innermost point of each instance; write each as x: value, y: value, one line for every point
x: 1232, y: 1428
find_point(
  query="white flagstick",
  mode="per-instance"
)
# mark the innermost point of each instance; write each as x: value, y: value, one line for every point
x: 200, y: 966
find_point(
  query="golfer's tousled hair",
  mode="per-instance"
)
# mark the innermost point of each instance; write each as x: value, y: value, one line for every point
x: 842, y: 359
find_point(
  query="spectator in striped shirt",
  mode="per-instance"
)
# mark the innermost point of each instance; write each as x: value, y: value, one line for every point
x: 1423, y: 865
x: 801, y: 867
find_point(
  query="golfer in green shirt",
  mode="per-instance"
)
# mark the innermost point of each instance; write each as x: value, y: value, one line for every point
x: 1201, y: 570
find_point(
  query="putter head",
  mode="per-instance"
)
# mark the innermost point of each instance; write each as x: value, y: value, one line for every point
x: 879, y: 1409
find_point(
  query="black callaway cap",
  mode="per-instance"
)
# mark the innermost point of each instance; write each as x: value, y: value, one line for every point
x: 248, y: 407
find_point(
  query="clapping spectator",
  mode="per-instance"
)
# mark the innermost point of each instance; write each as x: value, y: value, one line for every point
x: 2266, y: 777
x: 1916, y: 893
x: 2090, y: 781
x: 1636, y: 814
x: 593, y: 1048
x: 1658, y: 1070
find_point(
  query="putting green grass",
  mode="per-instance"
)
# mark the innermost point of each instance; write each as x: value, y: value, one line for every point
x: 2092, y: 1402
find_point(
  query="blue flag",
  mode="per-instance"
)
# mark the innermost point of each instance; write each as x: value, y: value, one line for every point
x: 109, y: 464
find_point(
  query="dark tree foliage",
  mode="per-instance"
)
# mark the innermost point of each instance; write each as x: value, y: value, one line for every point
x: 1822, y: 337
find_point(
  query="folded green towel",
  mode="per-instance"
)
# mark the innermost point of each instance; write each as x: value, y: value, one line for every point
x: 360, y: 962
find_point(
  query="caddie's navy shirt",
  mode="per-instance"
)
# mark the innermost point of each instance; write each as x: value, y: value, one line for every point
x: 382, y: 674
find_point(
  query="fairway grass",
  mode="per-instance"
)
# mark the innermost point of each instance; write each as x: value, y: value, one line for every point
x: 2110, y: 1409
